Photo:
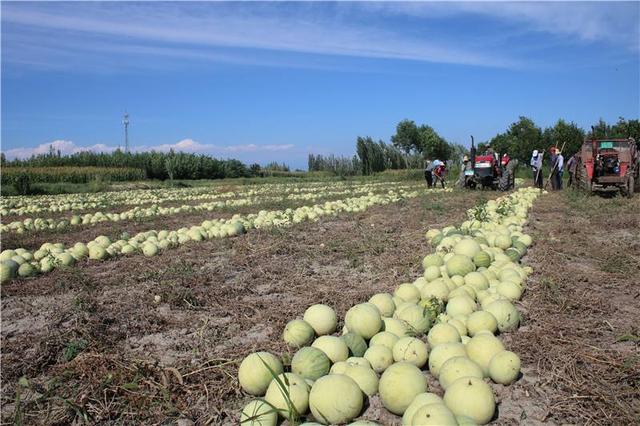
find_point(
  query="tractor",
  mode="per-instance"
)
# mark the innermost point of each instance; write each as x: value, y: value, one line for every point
x: 608, y: 166
x: 490, y: 170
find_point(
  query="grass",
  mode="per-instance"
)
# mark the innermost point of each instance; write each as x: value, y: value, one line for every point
x: 73, y: 349
x: 103, y: 185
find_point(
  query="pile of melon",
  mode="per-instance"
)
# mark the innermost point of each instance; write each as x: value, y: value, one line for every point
x: 24, y: 263
x: 446, y: 323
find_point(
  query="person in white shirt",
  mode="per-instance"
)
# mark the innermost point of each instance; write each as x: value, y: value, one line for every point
x: 559, y: 170
x: 536, y: 168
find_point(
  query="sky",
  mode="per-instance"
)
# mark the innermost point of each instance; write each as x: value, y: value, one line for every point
x: 276, y: 81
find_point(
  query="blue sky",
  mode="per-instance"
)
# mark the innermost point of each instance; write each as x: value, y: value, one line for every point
x: 275, y: 81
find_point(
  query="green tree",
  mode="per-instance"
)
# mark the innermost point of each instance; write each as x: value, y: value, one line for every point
x: 407, y: 137
x: 432, y: 145
x: 601, y: 130
x: 564, y: 134
x: 522, y: 137
x: 627, y: 129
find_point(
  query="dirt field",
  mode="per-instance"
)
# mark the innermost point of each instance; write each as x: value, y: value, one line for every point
x: 90, y: 344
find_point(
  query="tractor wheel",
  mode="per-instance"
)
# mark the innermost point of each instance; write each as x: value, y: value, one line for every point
x: 581, y: 180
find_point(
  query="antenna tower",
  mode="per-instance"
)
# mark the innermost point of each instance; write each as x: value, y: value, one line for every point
x: 125, y: 121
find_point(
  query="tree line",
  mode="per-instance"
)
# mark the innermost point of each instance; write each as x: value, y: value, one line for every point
x: 156, y: 165
x: 523, y: 136
x: 413, y: 144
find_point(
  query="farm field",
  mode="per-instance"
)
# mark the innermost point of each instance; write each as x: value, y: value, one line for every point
x: 132, y: 339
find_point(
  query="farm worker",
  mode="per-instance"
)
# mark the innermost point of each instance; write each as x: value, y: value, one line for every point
x: 571, y: 168
x: 439, y: 172
x: 465, y: 164
x: 559, y: 169
x: 553, y: 161
x: 536, y: 168
x: 428, y: 171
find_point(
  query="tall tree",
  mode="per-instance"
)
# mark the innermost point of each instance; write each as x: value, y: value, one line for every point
x: 564, y: 134
x: 522, y: 137
x: 407, y: 137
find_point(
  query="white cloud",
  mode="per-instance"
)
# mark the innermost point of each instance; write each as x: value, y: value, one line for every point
x: 615, y: 22
x: 214, y: 28
x: 67, y: 147
x: 64, y: 146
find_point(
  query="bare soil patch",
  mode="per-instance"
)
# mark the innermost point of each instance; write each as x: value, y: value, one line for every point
x: 92, y: 343
x: 580, y: 339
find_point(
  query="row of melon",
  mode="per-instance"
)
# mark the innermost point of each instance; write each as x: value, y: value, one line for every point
x: 23, y: 205
x: 445, y: 321
x: 137, y: 213
x: 24, y: 263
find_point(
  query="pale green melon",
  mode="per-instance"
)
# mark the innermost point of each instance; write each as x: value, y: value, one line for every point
x: 504, y: 367
x: 433, y: 415
x: 356, y: 344
x: 417, y: 318
x: 467, y: 247
x: 510, y: 290
x: 503, y: 242
x: 457, y: 367
x: 258, y: 413
x: 335, y: 348
x: 297, y: 394
x: 461, y: 305
x: 442, y: 333
x: 298, y: 333
x: 460, y: 265
x: 26, y: 270
x: 310, y: 363
x: 476, y: 280
x: 432, y: 260
x: 335, y: 399
x: 364, y: 320
x: 380, y: 357
x: 97, y: 252
x: 482, y: 259
x: 384, y: 338
x: 321, y: 318
x: 481, y: 320
x: 384, y: 303
x: 505, y: 313
x: 471, y: 397
x: 431, y: 273
x: 459, y: 325
x: 254, y: 375
x: 399, y: 385
x: 365, y: 378
x: 411, y: 350
x: 419, y: 401
x: 395, y: 326
x: 408, y: 292
x: 149, y: 249
x: 436, y: 288
x: 481, y: 348
x: 441, y: 353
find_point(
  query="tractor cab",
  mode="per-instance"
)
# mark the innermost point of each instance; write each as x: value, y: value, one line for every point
x: 608, y: 165
x: 485, y: 169
x: 490, y: 170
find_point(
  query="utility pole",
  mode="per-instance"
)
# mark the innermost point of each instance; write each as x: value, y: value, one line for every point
x: 125, y: 121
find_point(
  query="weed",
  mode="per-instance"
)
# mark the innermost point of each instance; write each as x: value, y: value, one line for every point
x: 73, y: 348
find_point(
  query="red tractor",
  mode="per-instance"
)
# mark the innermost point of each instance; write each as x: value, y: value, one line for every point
x: 490, y: 170
x: 608, y: 165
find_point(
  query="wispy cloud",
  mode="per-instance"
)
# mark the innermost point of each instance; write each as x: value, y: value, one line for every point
x: 609, y: 21
x: 67, y: 147
x: 209, y: 31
